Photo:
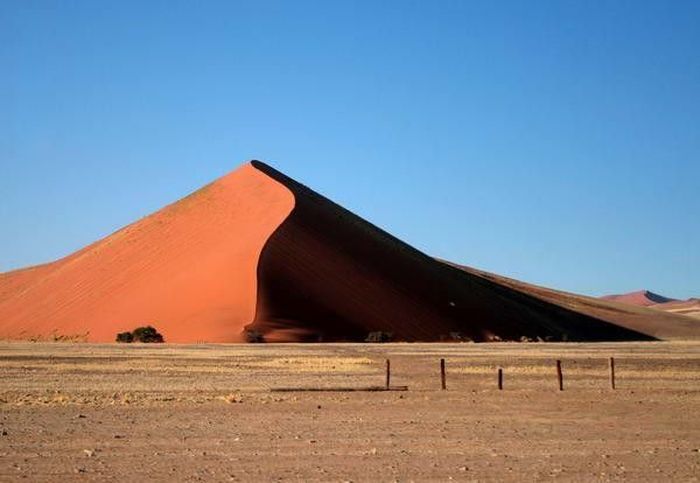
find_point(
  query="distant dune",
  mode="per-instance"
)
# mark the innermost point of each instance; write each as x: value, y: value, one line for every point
x: 256, y: 254
x: 647, y: 320
x: 644, y: 298
x: 690, y: 307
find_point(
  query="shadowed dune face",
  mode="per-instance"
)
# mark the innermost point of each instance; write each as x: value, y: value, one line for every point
x: 189, y: 269
x: 326, y: 274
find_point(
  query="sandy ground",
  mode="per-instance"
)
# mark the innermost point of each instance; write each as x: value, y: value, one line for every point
x: 189, y: 413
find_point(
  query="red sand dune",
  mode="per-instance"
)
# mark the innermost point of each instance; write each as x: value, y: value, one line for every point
x: 258, y: 251
x: 644, y: 298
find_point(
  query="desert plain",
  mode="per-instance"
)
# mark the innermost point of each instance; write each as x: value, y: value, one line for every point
x: 108, y: 412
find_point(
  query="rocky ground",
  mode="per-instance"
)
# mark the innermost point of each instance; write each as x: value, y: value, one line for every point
x: 188, y: 413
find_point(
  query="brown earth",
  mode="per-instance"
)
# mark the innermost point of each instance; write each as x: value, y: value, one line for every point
x: 202, y: 412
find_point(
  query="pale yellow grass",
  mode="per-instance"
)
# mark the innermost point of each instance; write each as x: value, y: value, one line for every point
x: 316, y: 364
x: 294, y: 364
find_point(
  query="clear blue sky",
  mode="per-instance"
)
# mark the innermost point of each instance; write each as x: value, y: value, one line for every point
x: 556, y: 142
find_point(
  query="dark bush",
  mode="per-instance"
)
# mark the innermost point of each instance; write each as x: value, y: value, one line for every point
x: 147, y: 334
x: 125, y: 337
x: 379, y: 336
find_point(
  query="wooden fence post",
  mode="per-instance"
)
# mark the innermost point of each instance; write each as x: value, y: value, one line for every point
x: 388, y: 373
x: 612, y: 373
x: 560, y: 376
x: 442, y: 374
x: 500, y: 379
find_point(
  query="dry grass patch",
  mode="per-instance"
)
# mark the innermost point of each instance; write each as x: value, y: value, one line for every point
x: 315, y: 364
x: 130, y: 365
x: 573, y: 370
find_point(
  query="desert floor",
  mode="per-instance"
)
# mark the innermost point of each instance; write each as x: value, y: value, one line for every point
x: 207, y: 412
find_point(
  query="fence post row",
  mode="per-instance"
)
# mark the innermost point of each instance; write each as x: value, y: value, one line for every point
x: 560, y: 375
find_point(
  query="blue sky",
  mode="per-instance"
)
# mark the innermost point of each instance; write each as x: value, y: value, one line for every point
x: 555, y: 142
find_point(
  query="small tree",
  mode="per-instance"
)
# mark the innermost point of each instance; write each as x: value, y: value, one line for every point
x: 147, y: 334
x: 125, y: 337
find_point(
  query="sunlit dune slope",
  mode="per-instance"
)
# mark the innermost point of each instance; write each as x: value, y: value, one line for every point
x: 189, y: 269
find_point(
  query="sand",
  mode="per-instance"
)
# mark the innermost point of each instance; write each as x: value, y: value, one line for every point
x: 257, y: 252
x: 690, y: 307
x: 188, y: 269
x: 203, y: 412
x: 644, y: 298
x: 665, y: 324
